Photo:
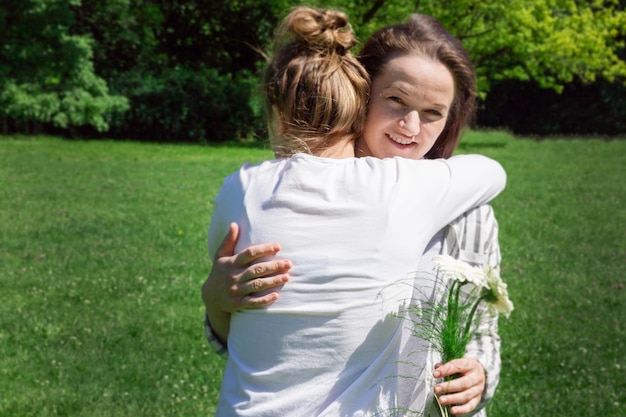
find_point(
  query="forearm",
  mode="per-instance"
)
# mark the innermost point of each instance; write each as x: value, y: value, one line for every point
x: 216, y: 344
x: 235, y: 281
x: 485, y: 348
x: 216, y: 320
x: 220, y: 324
x: 473, y: 238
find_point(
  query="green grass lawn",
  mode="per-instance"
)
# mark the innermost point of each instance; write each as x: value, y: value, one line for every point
x: 103, y: 252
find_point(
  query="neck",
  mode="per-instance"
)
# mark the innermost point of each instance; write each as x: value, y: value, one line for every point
x: 361, y: 149
x: 339, y: 151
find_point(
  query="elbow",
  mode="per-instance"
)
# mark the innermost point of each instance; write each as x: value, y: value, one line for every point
x: 503, y: 178
x: 499, y: 177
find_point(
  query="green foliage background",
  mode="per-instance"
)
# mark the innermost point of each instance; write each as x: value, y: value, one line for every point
x: 186, y: 70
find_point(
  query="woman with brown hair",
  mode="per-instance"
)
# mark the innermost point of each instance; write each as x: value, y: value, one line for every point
x: 351, y: 227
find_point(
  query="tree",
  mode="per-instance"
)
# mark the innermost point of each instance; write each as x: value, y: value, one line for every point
x: 124, y: 32
x: 46, y: 72
x: 551, y: 42
x: 187, y: 67
x: 72, y: 63
x: 580, y: 109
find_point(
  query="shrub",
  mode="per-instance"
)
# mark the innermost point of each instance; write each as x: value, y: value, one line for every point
x: 184, y: 104
x: 581, y: 109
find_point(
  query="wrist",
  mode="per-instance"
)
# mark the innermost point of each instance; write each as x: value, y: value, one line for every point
x: 219, y: 346
x: 219, y: 322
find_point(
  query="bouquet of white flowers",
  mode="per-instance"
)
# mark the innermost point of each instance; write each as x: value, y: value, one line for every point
x: 449, y: 327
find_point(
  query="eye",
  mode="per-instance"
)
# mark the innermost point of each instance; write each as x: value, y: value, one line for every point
x: 396, y: 101
x: 433, y: 115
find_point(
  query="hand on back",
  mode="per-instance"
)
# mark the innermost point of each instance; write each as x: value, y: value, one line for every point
x: 235, y: 279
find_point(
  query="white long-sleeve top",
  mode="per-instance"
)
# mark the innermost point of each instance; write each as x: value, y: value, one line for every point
x: 472, y: 238
x: 352, y: 227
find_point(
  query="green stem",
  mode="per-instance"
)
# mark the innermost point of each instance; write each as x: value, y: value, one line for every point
x: 442, y: 409
x: 457, y: 293
x: 470, y: 318
x: 450, y: 294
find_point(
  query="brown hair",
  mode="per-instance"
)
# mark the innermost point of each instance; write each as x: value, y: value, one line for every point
x: 318, y: 88
x: 425, y: 36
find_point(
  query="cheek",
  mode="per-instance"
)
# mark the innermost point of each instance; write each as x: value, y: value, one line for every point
x: 379, y: 114
x: 374, y: 123
x: 435, y: 130
x: 368, y: 133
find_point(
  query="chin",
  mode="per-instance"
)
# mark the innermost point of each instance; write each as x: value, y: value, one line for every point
x: 405, y: 151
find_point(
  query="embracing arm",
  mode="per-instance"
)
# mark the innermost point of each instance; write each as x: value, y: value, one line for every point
x: 233, y: 281
x: 485, y: 346
x: 453, y: 186
x: 473, y: 238
x: 474, y: 181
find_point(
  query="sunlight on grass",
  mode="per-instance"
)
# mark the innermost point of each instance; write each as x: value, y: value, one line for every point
x: 103, y: 251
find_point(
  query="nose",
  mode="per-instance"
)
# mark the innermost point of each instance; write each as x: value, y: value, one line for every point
x: 410, y: 123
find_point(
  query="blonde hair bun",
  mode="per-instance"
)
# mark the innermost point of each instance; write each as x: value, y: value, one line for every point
x: 319, y: 31
x: 315, y: 89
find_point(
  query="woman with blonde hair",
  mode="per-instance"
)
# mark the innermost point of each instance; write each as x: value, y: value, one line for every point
x: 351, y: 228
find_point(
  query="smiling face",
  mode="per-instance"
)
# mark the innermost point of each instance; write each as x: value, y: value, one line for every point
x: 409, y: 105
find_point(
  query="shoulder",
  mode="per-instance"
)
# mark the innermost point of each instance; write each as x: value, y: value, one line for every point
x: 250, y: 171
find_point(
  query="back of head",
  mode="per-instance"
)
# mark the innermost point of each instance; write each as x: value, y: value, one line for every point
x: 313, y: 84
x: 425, y: 36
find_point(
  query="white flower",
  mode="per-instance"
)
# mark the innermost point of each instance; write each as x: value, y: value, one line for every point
x: 486, y: 279
x: 461, y: 271
x: 498, y: 295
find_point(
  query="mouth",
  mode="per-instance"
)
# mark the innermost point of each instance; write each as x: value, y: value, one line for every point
x: 399, y: 140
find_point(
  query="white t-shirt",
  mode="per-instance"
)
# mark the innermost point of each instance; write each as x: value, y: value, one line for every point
x: 329, y: 346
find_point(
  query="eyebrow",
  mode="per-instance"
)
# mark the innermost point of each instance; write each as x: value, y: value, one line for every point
x: 436, y: 105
